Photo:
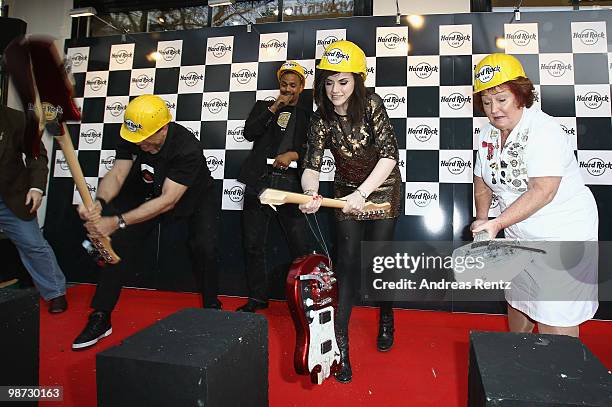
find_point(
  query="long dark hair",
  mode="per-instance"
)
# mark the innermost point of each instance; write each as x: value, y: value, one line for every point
x: 356, y: 103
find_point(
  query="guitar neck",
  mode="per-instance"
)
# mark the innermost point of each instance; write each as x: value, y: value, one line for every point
x: 295, y: 198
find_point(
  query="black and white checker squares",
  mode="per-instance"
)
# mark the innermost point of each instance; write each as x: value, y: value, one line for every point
x: 211, y: 78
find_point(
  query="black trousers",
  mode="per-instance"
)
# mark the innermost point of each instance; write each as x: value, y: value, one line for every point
x: 255, y: 222
x: 203, y: 232
x: 348, y: 267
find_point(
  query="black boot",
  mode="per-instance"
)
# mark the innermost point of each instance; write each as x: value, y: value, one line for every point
x: 345, y: 374
x: 384, y: 341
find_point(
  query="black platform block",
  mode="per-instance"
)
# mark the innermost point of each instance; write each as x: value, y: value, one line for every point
x: 194, y: 357
x: 528, y: 370
x: 19, y: 339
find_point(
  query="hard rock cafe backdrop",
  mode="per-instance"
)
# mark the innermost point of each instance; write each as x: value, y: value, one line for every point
x: 210, y: 79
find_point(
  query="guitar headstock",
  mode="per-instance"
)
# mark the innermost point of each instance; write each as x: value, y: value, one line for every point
x: 373, y: 211
x: 270, y: 196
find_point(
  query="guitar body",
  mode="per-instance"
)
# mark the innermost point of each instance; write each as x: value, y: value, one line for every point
x: 312, y: 295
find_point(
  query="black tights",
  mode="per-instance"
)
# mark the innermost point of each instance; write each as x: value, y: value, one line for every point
x: 348, y: 265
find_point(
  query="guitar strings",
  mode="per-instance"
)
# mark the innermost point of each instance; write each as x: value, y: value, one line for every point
x: 321, y: 240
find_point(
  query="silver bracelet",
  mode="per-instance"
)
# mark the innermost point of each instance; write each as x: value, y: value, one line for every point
x: 310, y: 192
x: 363, y: 194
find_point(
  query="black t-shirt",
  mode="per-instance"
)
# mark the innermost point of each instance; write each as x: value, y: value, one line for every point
x: 180, y: 159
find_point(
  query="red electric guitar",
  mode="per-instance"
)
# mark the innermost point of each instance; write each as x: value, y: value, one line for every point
x: 312, y: 295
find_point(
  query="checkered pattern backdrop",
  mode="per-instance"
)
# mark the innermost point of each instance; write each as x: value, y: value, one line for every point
x: 210, y: 79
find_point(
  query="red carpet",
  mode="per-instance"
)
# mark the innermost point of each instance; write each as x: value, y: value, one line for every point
x: 427, y: 366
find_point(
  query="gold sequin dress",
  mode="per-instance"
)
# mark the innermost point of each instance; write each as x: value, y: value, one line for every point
x: 356, y: 153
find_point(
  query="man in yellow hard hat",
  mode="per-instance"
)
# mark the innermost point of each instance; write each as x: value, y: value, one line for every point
x: 278, y: 130
x: 177, y: 186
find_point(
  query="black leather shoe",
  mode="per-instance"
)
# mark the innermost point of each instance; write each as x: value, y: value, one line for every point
x: 213, y: 305
x: 58, y: 305
x: 98, y: 327
x: 252, y: 306
x: 384, y: 341
x: 345, y: 374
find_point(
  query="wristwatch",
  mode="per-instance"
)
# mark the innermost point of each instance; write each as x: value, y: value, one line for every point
x: 121, y: 222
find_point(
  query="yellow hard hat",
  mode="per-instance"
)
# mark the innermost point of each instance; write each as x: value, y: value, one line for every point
x: 496, y: 69
x: 291, y: 66
x: 344, y: 56
x: 144, y: 116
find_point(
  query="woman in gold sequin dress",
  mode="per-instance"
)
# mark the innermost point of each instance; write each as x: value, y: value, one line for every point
x: 354, y: 125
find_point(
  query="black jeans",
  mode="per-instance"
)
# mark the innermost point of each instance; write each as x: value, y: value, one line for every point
x: 348, y: 267
x: 255, y: 221
x: 203, y: 226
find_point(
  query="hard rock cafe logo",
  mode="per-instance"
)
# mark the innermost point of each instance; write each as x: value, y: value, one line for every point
x: 593, y: 100
x: 131, y: 126
x: 169, y: 53
x: 121, y: 56
x: 570, y: 131
x: 244, y: 76
x: 370, y: 70
x: 270, y: 98
x: 521, y: 37
x: 422, y: 198
x: 422, y: 132
x: 456, y: 165
x: 328, y: 164
x: 235, y: 193
x: 191, y: 78
x: 273, y: 44
x: 308, y: 72
x: 556, y: 68
x: 596, y: 166
x: 456, y: 101
x: 392, y: 101
x: 96, y: 83
x: 194, y: 132
x: 455, y: 39
x: 116, y: 109
x: 170, y: 105
x: 335, y: 56
x: 214, y: 106
x: 108, y: 162
x: 392, y: 40
x: 142, y: 81
x: 328, y: 40
x: 219, y: 50
x: 486, y: 73
x: 91, y: 188
x: 91, y: 136
x: 213, y: 163
x: 237, y: 134
x: 78, y: 59
x: 51, y: 112
x: 423, y: 70
x: 589, y: 36
x: 61, y: 161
